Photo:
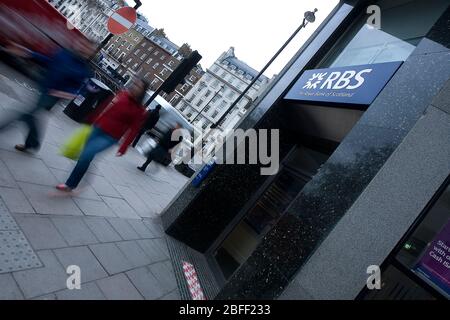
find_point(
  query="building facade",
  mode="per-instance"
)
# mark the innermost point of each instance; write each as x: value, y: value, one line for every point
x: 153, y: 58
x: 88, y: 16
x: 219, y: 87
x: 364, y: 179
x: 214, y: 94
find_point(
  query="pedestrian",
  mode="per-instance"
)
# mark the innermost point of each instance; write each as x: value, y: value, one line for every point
x: 161, y: 153
x: 123, y: 118
x: 66, y: 71
x: 150, y: 122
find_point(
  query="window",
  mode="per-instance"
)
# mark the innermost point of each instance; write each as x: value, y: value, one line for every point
x: 143, y: 56
x: 208, y: 93
x: 230, y: 95
x: 163, y: 56
x: 174, y: 99
x: 144, y: 44
x: 156, y: 65
x: 129, y: 47
x: 184, y: 87
x: 137, y: 52
x: 400, y: 32
x: 149, y: 60
x: 192, y: 78
x: 214, y: 114
x: 154, y: 82
x: 420, y: 266
x: 135, y: 66
x: 163, y: 72
x: 171, y: 63
x: 129, y: 61
x: 156, y: 52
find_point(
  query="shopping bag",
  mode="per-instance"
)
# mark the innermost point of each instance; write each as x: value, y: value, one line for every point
x: 73, y: 147
x: 160, y: 155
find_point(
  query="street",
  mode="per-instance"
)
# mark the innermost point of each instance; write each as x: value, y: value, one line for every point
x: 110, y: 228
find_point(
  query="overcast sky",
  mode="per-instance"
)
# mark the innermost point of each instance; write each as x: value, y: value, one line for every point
x: 255, y: 28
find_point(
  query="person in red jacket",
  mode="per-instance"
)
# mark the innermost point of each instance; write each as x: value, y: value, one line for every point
x: 123, y: 118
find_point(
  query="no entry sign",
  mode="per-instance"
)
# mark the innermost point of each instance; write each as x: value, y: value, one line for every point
x: 122, y: 20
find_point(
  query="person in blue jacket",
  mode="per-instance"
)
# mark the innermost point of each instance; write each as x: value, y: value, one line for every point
x: 66, y: 71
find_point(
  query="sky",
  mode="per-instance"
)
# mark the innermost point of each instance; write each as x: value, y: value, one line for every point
x: 255, y: 28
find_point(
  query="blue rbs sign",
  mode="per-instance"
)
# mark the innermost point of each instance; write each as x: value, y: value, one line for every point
x: 358, y: 85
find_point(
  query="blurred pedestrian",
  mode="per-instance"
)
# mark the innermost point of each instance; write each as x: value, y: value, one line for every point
x: 66, y: 71
x: 162, y: 152
x: 123, y: 118
x: 150, y: 122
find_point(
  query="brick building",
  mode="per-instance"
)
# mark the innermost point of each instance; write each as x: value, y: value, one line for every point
x: 154, y: 58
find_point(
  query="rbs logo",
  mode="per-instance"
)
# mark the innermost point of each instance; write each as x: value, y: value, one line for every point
x: 337, y: 80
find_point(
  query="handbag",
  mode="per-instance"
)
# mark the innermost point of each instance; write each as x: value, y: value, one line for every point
x: 73, y: 147
x: 160, y: 155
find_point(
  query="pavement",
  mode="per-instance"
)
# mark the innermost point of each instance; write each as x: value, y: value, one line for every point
x: 110, y: 229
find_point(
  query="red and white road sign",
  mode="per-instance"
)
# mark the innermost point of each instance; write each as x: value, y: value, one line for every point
x: 122, y: 20
x: 192, y: 281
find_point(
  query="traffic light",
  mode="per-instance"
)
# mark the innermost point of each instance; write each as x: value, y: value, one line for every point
x: 178, y: 75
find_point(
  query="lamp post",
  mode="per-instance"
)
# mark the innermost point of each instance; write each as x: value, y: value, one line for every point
x: 201, y: 111
x: 309, y: 17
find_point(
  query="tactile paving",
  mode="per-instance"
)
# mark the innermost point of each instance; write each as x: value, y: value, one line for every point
x: 6, y: 221
x: 15, y: 252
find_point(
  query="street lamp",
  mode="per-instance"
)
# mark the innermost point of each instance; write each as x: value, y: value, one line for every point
x: 201, y: 111
x: 309, y: 17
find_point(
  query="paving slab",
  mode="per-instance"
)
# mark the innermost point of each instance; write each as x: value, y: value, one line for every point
x: 133, y: 200
x: 121, y: 208
x: 15, y: 200
x: 134, y: 253
x: 152, y: 250
x: 146, y: 283
x: 41, y: 232
x: 119, y: 287
x: 9, y: 288
x: 6, y: 178
x: 27, y: 169
x: 83, y: 257
x: 74, y: 231
x: 141, y: 229
x: 123, y: 228
x: 40, y: 281
x: 88, y: 291
x: 48, y: 200
x: 101, y: 186
x: 165, y: 276
x: 111, y: 258
x: 102, y: 229
x: 94, y: 208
